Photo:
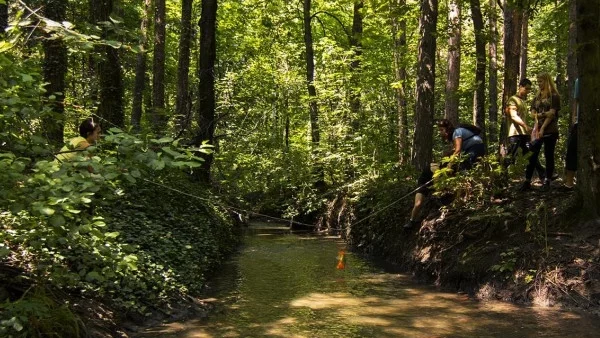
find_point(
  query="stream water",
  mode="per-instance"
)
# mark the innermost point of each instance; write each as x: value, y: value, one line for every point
x: 286, y: 285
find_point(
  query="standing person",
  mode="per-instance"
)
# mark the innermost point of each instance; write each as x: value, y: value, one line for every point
x: 465, y: 139
x: 89, y: 133
x: 519, y: 130
x: 544, y: 108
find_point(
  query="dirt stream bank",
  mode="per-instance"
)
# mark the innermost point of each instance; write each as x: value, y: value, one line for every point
x: 527, y: 248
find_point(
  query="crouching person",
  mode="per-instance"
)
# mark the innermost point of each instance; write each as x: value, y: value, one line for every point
x: 465, y: 140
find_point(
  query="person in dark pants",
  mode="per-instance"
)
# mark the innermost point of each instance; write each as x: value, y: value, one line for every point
x: 518, y: 130
x: 544, y: 109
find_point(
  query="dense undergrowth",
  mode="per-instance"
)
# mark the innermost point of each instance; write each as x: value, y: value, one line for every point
x: 135, y: 254
x: 95, y: 237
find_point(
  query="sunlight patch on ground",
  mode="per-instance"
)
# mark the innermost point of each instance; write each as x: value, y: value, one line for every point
x: 323, y: 301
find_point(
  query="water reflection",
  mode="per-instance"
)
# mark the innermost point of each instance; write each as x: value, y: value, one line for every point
x: 286, y: 285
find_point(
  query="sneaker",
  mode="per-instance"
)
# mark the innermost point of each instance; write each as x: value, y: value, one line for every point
x: 525, y: 186
x: 554, y: 177
x: 546, y: 185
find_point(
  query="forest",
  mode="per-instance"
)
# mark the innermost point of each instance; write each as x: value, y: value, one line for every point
x: 216, y: 111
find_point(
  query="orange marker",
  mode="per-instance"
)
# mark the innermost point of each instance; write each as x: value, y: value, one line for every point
x: 341, y: 258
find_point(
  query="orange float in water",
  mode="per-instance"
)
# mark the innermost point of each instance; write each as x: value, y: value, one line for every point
x: 341, y: 258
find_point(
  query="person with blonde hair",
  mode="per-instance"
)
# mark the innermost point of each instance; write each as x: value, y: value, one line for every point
x: 544, y: 109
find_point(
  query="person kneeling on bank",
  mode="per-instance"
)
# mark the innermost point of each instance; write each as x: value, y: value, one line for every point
x: 465, y: 139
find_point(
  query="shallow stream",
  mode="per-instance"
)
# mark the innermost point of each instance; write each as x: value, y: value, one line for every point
x: 283, y: 284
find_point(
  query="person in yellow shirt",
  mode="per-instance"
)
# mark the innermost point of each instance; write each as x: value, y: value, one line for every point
x: 519, y: 130
x: 89, y: 132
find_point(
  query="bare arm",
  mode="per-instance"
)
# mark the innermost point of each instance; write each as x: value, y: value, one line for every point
x: 514, y: 116
x: 457, y: 145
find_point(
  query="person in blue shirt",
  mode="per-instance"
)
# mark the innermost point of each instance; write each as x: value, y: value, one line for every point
x: 465, y: 140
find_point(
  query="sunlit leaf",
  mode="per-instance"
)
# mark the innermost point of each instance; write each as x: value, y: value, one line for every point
x: 114, y: 234
x: 51, y: 23
x: 46, y: 211
x: 114, y: 44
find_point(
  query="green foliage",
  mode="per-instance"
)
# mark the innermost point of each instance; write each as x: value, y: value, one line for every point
x: 508, y: 261
x: 37, y: 314
x: 74, y: 225
x: 537, y: 225
x: 474, y: 187
x: 82, y: 231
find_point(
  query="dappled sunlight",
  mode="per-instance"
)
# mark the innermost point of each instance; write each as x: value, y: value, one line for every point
x: 288, y: 286
x: 323, y: 301
x: 369, y: 321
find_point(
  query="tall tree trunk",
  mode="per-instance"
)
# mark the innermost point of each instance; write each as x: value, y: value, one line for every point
x: 453, y: 76
x: 423, y: 137
x: 108, y: 70
x: 572, y: 56
x: 588, y: 61
x: 513, y: 16
x: 356, y: 45
x: 286, y: 130
x: 399, y: 36
x: 524, y: 45
x: 183, y: 104
x: 55, y: 70
x: 312, y: 95
x: 479, y: 99
x: 140, y: 71
x: 158, y: 68
x: 493, y: 70
x: 3, y: 18
x: 206, y: 90
x: 310, y: 75
x: 560, y: 68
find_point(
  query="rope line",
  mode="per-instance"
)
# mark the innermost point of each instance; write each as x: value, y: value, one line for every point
x: 283, y: 219
x: 225, y: 206
x: 389, y: 205
x: 373, y: 214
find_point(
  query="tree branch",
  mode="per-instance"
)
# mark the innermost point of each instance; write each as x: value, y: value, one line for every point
x: 336, y: 19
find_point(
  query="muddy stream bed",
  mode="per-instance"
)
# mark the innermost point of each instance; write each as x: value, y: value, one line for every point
x: 284, y: 284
